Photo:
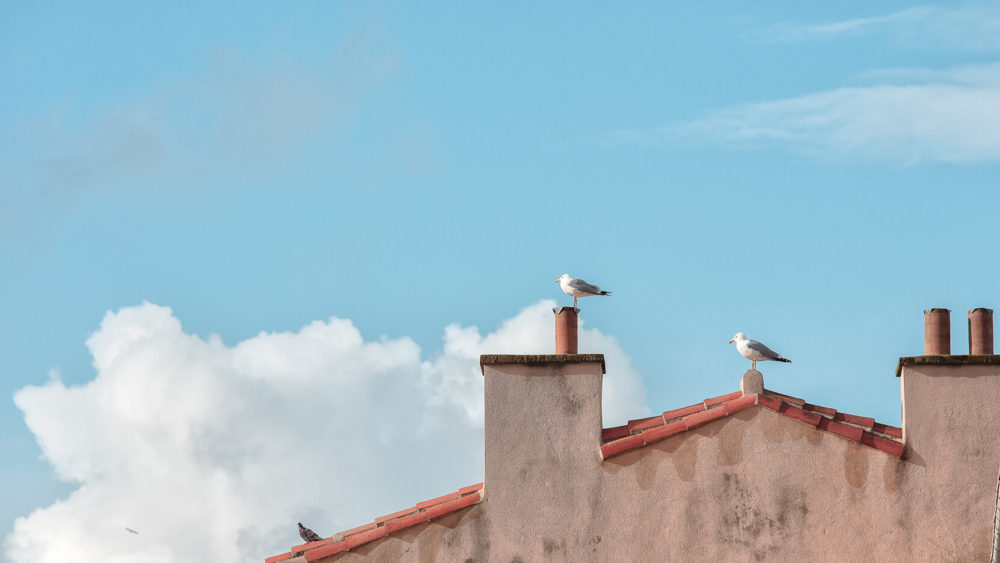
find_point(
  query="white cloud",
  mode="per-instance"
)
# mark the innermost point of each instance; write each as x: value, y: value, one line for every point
x: 902, y: 124
x: 786, y: 31
x: 213, y: 452
x: 913, y: 115
x: 972, y: 27
x: 530, y: 332
x: 903, y: 116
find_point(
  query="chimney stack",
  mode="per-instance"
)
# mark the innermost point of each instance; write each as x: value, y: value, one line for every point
x: 980, y: 331
x: 937, y: 332
x: 566, y: 318
x: 542, y: 430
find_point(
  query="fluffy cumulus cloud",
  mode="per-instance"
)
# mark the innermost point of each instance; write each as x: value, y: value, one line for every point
x: 213, y: 452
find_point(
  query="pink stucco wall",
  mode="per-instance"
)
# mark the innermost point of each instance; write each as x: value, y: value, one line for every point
x: 753, y: 486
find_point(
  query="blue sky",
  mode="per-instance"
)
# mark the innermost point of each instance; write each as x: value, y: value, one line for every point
x: 814, y: 177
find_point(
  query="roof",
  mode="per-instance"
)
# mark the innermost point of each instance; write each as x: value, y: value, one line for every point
x: 385, y: 525
x: 644, y: 431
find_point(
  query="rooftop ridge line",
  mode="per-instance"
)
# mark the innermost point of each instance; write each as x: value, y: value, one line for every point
x: 644, y: 431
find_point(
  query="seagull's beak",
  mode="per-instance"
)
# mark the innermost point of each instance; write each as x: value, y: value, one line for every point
x: 733, y: 340
x: 557, y: 281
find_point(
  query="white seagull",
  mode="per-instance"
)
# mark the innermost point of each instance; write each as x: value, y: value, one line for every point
x: 578, y: 288
x: 755, y: 351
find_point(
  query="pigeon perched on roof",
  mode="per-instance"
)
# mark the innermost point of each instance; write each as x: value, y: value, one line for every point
x: 307, y: 534
x: 578, y: 288
x: 755, y: 351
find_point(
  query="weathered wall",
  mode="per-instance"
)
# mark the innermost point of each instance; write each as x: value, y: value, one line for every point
x: 753, y: 486
x: 951, y: 424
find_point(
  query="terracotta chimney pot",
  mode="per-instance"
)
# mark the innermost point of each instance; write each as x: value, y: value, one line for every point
x: 937, y: 332
x: 981, y: 331
x: 566, y: 318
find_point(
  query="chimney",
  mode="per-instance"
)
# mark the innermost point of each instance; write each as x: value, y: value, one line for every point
x: 543, y: 439
x: 566, y: 318
x: 937, y: 332
x: 980, y: 331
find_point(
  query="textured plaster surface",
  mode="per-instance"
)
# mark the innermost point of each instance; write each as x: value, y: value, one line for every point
x: 753, y: 486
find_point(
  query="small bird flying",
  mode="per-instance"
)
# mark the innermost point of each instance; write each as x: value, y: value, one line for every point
x: 130, y: 530
x: 755, y: 351
x: 578, y: 288
x: 307, y: 534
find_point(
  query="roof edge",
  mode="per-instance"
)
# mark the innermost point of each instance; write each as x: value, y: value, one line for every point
x: 947, y: 360
x: 644, y: 431
x: 539, y: 359
x: 382, y: 526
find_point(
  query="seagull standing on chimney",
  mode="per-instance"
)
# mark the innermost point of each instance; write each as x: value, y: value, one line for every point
x: 755, y: 351
x: 578, y: 288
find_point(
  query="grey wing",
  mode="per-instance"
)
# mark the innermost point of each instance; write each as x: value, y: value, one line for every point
x: 584, y: 286
x: 762, y: 350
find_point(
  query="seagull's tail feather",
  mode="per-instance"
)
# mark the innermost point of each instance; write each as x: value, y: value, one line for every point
x: 605, y: 293
x: 786, y: 360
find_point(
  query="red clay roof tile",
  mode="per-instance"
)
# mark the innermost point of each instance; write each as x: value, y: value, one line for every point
x: 452, y: 506
x: 795, y: 401
x: 888, y: 430
x: 470, y: 489
x: 397, y: 524
x: 312, y: 545
x: 854, y: 419
x: 722, y: 398
x: 651, y: 423
x: 678, y: 413
x: 845, y: 430
x: 638, y: 421
x: 439, y: 500
x: 884, y: 444
x: 623, y: 445
x: 796, y: 412
x: 741, y: 403
x: 660, y: 432
x: 359, y: 539
x: 821, y: 410
x: 699, y: 418
x: 359, y: 529
x: 281, y: 557
x: 769, y: 401
x: 614, y: 433
x: 403, y: 512
x: 328, y: 550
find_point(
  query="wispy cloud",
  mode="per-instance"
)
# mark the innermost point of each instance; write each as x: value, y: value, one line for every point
x: 230, y: 115
x: 902, y: 124
x: 905, y: 116
x: 973, y: 27
x: 786, y: 31
x: 213, y: 452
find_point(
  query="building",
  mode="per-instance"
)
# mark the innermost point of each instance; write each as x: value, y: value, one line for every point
x: 754, y: 475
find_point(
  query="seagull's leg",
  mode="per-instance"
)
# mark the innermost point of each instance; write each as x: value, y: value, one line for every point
x: 574, y: 302
x: 753, y: 365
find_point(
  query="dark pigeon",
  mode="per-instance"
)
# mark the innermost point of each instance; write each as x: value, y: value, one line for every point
x: 307, y: 534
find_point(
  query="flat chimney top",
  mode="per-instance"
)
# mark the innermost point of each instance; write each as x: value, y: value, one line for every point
x: 540, y: 359
x: 949, y: 360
